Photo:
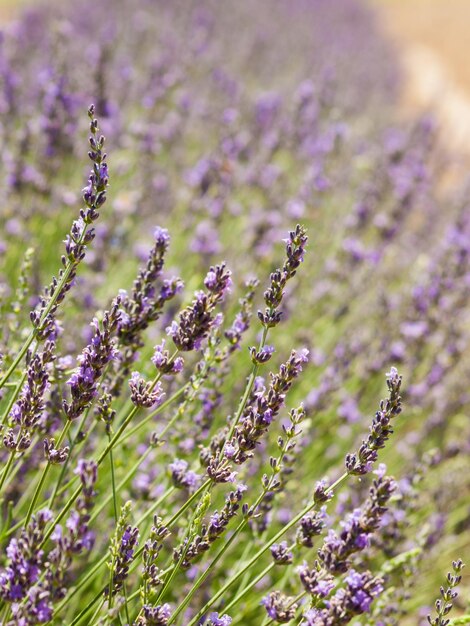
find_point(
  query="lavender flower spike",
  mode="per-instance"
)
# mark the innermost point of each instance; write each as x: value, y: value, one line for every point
x: 380, y: 431
x: 145, y: 394
x: 216, y: 620
x: 101, y: 350
x: 444, y: 604
x: 196, y: 320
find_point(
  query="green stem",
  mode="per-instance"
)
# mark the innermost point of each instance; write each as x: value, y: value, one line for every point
x: 99, y: 564
x: 67, y: 461
x: 126, y: 608
x: 42, y: 480
x: 206, y: 572
x: 88, y: 608
x: 7, y: 469
x: 249, y: 387
x: 262, y: 550
x: 237, y: 531
x: 188, y: 503
x: 14, y: 395
x: 120, y: 486
x: 6, y: 615
x: 101, y: 458
x: 294, y: 601
x: 153, y: 414
x: 248, y: 588
x: 18, y: 358
x: 52, y: 301
x: 111, y: 569
x: 89, y: 575
x: 113, y: 481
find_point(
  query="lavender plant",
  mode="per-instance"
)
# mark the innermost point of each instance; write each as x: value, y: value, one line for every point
x: 188, y: 444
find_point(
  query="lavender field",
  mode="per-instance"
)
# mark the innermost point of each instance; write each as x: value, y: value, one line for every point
x: 234, y: 322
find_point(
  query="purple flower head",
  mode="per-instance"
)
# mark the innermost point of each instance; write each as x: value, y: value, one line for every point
x: 281, y: 553
x: 324, y: 587
x: 196, y: 320
x: 182, y: 476
x: 161, y: 236
x: 229, y: 450
x: 218, y: 280
x: 87, y: 471
x: 363, y: 588
x: 279, y: 607
x: 145, y: 394
x: 157, y: 615
x: 381, y: 470
x: 172, y: 329
x: 163, y: 362
x: 215, y: 620
x: 215, y: 521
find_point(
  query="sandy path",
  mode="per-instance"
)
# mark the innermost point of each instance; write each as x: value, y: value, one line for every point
x: 434, y: 39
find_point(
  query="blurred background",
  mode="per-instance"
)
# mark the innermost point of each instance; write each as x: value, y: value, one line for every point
x: 433, y: 40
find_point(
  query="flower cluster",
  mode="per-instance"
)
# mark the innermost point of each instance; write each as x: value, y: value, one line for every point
x: 94, y: 358
x: 445, y: 603
x: 354, y: 599
x: 196, y: 320
x: 145, y: 394
x: 295, y: 250
x: 210, y: 531
x: 265, y: 406
x: 145, y: 304
x: 25, y: 415
x: 380, y: 431
x: 122, y: 550
x: 94, y: 195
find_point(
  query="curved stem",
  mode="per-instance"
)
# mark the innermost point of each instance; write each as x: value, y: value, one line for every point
x: 51, y: 303
x: 44, y: 474
x: 262, y: 550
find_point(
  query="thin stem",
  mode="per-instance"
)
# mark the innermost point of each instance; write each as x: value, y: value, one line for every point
x: 65, y: 465
x: 136, y: 428
x: 14, y: 395
x: 101, y: 458
x: 89, y: 575
x: 111, y: 569
x: 237, y: 531
x: 42, y: 480
x: 6, y: 616
x: 88, y: 608
x: 294, y: 601
x: 52, y: 301
x: 249, y: 387
x: 126, y: 600
x: 120, y: 486
x: 7, y: 469
x: 18, y: 358
x: 248, y: 588
x: 113, y: 481
x: 97, y: 566
x: 188, y: 503
x: 206, y: 572
x: 262, y: 550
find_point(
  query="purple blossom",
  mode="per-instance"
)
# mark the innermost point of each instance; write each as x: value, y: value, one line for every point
x: 216, y: 620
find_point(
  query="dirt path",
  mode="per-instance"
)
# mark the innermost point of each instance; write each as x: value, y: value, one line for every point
x: 434, y: 39
x: 8, y: 9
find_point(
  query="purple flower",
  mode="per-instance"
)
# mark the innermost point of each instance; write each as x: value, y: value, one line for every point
x: 215, y: 620
x: 145, y: 394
